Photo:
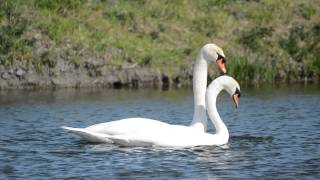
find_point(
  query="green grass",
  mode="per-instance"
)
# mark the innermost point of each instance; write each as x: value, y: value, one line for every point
x: 248, y: 72
x: 263, y: 40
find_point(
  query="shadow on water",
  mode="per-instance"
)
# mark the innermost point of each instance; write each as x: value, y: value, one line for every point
x: 253, y: 139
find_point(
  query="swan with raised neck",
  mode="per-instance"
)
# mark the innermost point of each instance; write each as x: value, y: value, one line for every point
x: 104, y: 132
x: 157, y: 133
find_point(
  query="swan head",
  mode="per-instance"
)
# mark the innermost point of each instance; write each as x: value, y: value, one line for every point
x: 232, y: 87
x: 212, y: 52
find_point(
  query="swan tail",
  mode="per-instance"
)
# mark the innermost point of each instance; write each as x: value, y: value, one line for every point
x: 89, y: 135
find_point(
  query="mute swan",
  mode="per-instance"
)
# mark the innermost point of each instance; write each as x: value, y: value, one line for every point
x: 208, y: 53
x: 156, y: 133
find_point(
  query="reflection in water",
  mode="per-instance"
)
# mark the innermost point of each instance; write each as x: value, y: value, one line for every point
x: 274, y: 134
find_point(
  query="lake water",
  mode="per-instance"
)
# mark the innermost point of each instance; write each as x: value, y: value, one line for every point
x: 275, y: 134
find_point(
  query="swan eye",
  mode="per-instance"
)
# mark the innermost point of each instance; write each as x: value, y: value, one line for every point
x: 221, y: 57
x: 237, y: 92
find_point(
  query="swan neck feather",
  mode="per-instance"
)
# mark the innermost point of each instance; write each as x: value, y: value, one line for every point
x: 200, y: 73
x: 211, y: 97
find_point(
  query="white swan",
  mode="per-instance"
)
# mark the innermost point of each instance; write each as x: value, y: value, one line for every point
x: 156, y: 133
x: 208, y: 53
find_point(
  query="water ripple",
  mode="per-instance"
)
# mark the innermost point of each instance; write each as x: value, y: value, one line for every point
x: 271, y: 137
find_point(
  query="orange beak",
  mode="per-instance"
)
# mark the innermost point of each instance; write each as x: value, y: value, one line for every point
x: 221, y: 65
x: 235, y: 100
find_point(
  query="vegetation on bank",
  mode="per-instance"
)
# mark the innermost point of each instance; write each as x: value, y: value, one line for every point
x: 264, y: 41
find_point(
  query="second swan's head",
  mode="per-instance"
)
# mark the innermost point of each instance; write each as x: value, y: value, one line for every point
x: 230, y: 85
x: 212, y: 52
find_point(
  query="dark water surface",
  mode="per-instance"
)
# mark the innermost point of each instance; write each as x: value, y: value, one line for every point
x: 274, y: 134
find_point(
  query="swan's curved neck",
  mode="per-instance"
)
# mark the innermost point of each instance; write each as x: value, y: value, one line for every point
x: 200, y: 73
x: 211, y: 97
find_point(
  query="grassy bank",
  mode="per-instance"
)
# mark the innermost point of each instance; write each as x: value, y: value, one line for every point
x: 264, y: 41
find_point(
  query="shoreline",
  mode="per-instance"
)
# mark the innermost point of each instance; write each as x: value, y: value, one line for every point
x: 67, y: 75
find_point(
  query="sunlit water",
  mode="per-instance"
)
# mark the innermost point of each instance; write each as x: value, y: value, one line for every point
x: 274, y: 134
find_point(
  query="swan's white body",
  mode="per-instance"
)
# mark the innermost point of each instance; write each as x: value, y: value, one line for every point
x: 142, y: 131
x: 148, y: 132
